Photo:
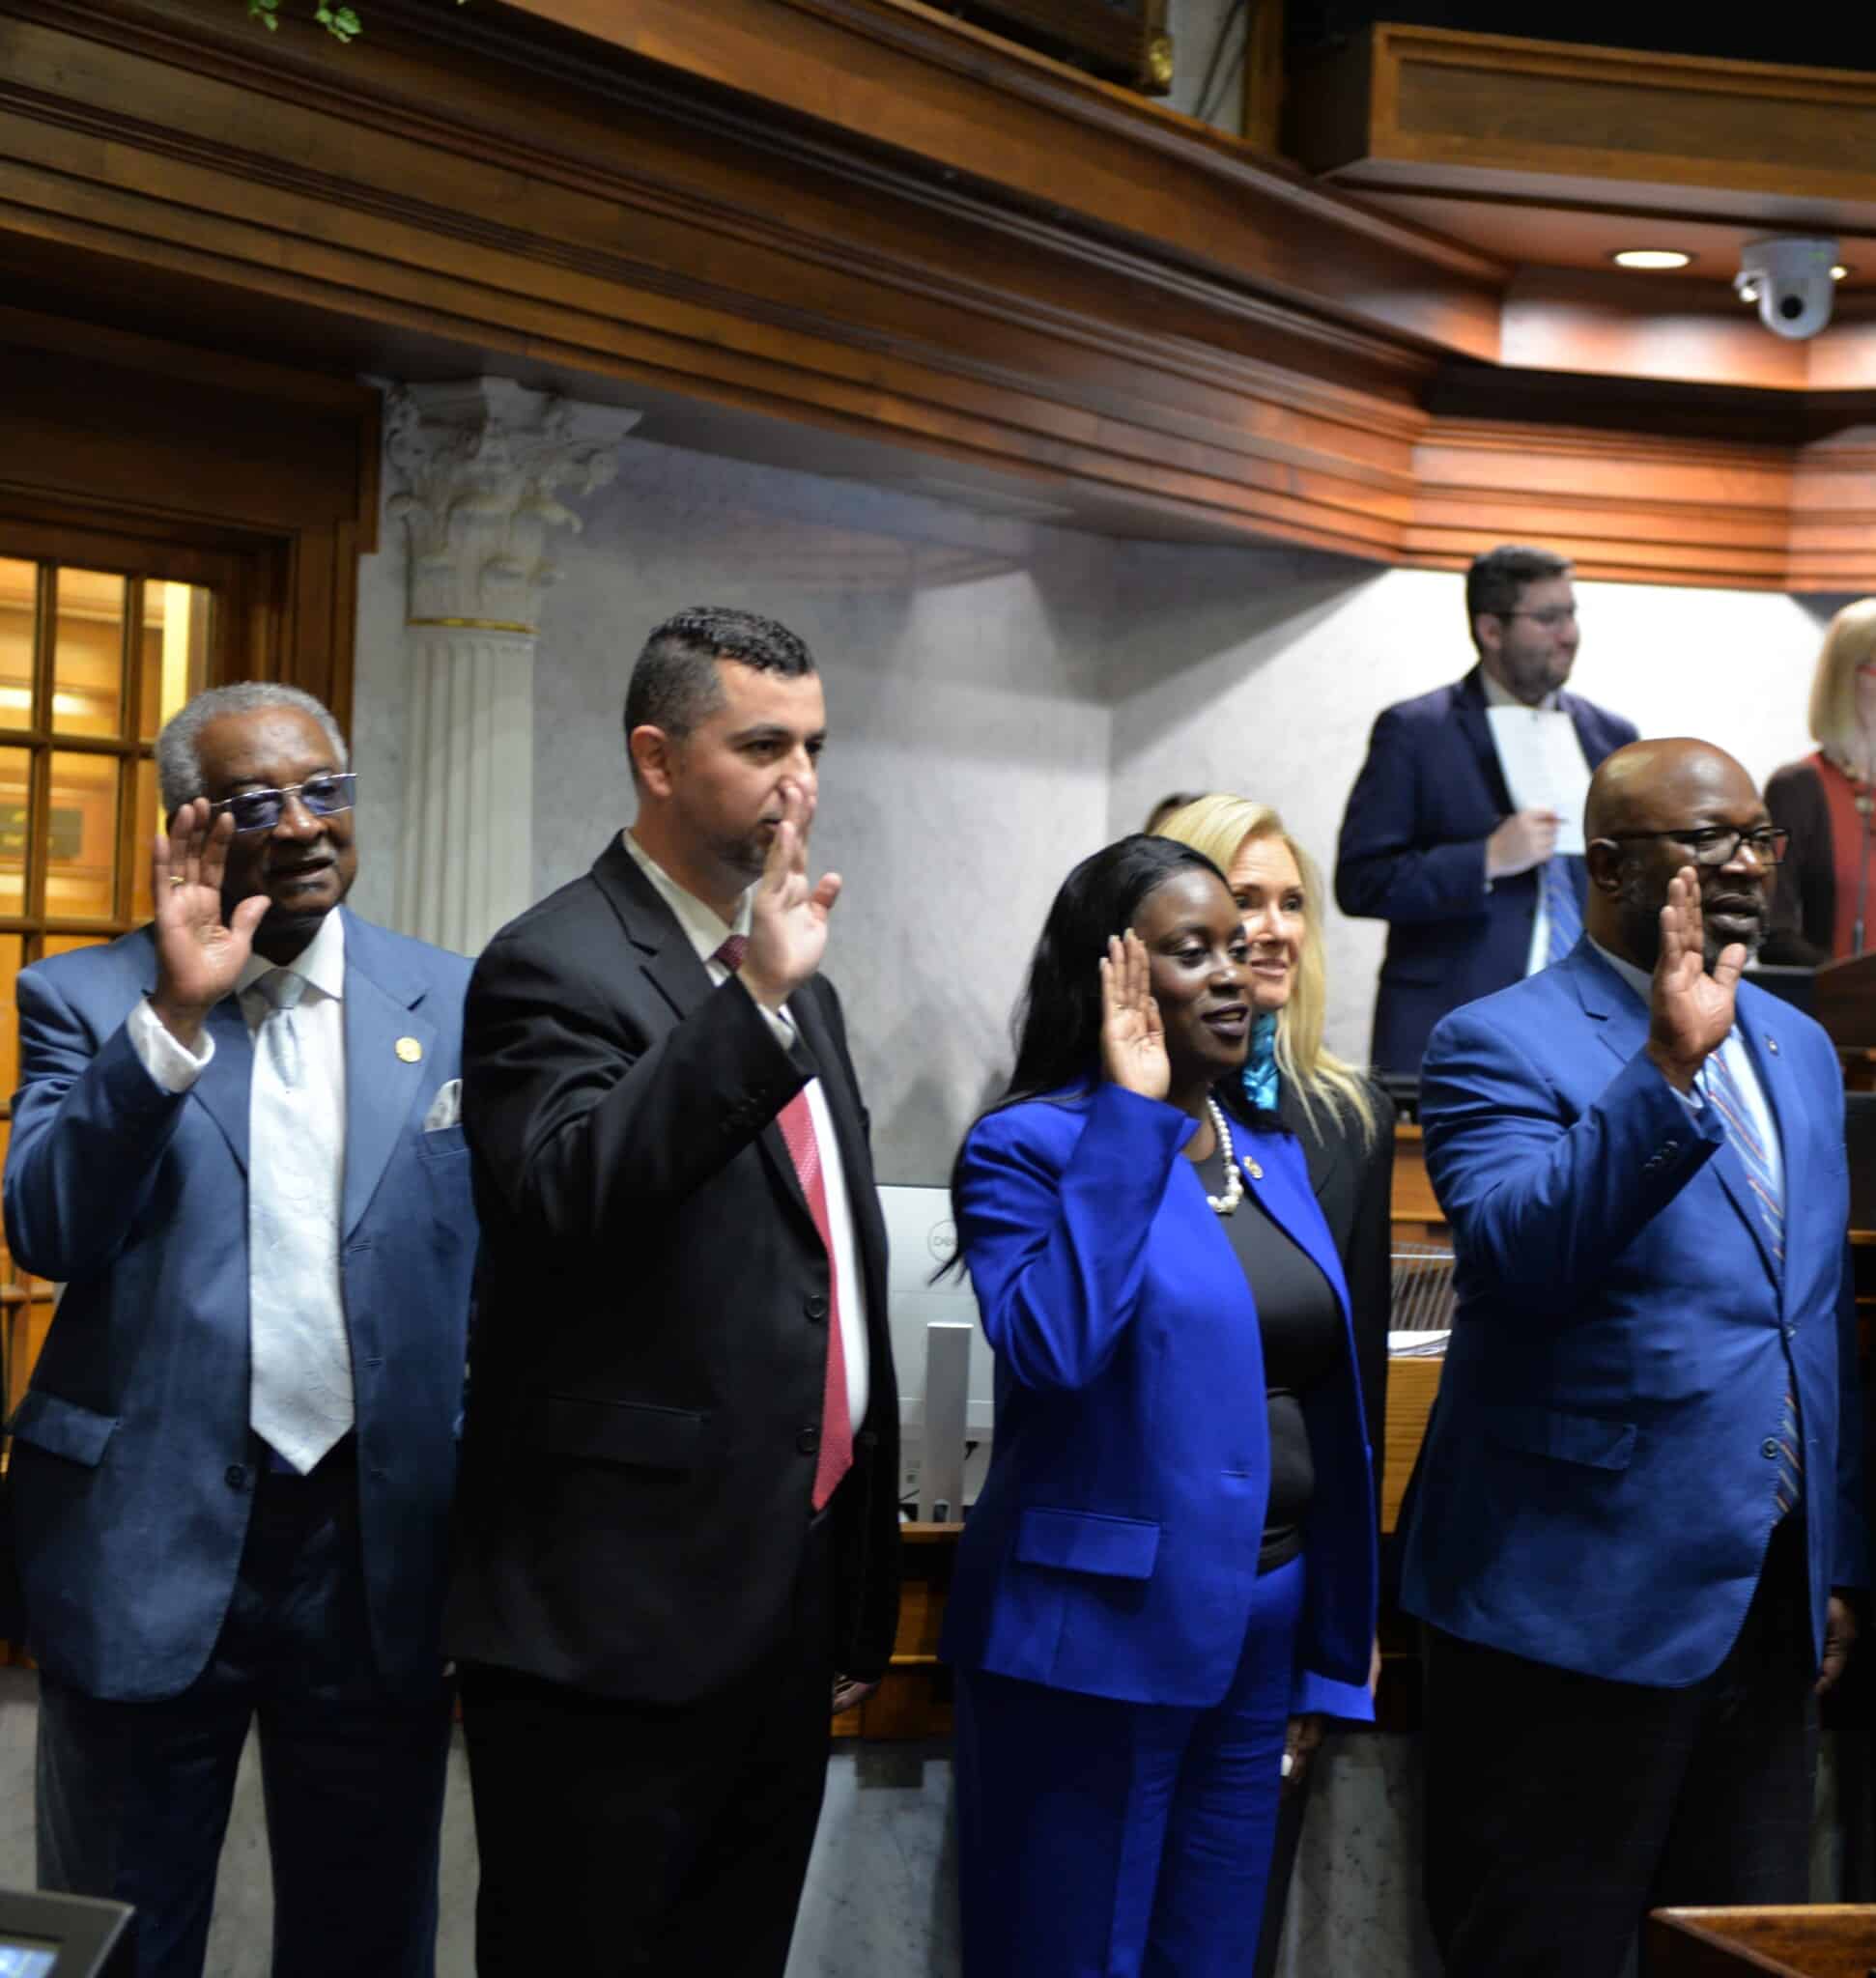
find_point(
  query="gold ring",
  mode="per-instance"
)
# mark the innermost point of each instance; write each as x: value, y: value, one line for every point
x: 176, y: 879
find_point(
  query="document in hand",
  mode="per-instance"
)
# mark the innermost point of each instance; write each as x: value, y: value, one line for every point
x: 1544, y: 766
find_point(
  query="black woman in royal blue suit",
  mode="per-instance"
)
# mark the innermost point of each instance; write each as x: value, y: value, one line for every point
x: 1344, y: 1125
x: 1173, y: 1555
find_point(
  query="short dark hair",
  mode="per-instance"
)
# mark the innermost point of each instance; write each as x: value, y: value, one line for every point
x: 674, y: 684
x: 1497, y: 579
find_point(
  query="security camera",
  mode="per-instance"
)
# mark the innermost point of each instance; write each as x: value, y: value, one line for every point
x: 1789, y: 275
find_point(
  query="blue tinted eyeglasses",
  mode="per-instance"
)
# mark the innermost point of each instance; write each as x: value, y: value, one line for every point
x: 263, y: 809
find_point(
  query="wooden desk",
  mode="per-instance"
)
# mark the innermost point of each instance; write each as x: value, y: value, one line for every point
x: 1817, y: 1941
x: 1413, y: 1202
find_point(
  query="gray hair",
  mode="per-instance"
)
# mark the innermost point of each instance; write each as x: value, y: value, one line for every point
x: 178, y: 755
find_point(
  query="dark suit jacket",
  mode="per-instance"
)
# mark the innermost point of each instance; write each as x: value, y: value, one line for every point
x: 1413, y: 854
x: 646, y: 1381
x: 132, y: 1477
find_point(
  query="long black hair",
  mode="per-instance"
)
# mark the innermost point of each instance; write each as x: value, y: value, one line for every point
x: 1057, y: 1022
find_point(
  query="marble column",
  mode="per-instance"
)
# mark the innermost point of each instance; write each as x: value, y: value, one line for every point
x: 475, y: 467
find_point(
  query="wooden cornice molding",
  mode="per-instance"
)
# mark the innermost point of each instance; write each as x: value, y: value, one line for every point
x: 1435, y: 106
x: 774, y: 207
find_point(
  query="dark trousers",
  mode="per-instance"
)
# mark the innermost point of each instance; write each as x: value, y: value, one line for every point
x: 666, y: 1839
x: 1103, y: 1838
x: 1561, y: 1808
x: 134, y: 1797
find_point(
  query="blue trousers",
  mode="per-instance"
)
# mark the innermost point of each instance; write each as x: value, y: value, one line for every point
x: 1100, y: 1838
x: 134, y: 1797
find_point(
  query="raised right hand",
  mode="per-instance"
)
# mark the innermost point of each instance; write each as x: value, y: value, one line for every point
x: 787, y: 923
x: 1523, y: 839
x: 199, y: 957
x: 1689, y: 1011
x: 1134, y: 1041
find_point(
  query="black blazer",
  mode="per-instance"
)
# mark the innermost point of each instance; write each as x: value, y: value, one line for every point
x: 1354, y: 1184
x: 646, y: 1374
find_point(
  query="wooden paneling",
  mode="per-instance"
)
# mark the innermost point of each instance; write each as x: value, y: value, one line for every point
x: 267, y: 479
x: 891, y: 232
x: 1434, y: 106
x: 1412, y: 1384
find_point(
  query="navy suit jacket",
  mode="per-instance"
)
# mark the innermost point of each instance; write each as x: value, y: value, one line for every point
x: 132, y: 1477
x: 1413, y: 854
x: 1597, y: 1486
x: 1114, y: 1547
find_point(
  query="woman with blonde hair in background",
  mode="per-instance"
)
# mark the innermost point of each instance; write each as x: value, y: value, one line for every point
x: 1825, y: 903
x: 1294, y: 1085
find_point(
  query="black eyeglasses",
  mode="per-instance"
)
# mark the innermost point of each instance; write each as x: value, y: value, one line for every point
x: 263, y: 809
x: 1716, y: 846
x: 1550, y: 616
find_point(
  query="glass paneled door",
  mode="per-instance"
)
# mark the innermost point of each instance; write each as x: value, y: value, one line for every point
x: 101, y: 638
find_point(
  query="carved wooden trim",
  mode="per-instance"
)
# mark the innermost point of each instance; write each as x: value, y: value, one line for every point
x: 1439, y: 106
x: 277, y: 467
x: 489, y: 187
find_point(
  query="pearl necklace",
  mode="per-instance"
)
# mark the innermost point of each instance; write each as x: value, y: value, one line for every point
x: 1234, y: 1180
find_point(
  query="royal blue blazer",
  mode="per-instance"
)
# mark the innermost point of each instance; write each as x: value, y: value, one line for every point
x: 1412, y: 853
x: 1597, y: 1485
x: 1114, y: 1547
x: 132, y: 1470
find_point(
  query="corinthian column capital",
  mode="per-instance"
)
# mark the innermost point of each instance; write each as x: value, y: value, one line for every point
x: 476, y: 470
x: 477, y: 466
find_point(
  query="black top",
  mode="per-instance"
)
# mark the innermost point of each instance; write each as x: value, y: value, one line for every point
x: 1299, y: 1320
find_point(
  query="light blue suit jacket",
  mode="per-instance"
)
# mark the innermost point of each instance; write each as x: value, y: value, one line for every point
x: 1597, y: 1488
x: 132, y: 1473
x: 1114, y: 1547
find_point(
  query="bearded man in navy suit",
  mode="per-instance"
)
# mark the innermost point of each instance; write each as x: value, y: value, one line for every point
x: 1474, y: 892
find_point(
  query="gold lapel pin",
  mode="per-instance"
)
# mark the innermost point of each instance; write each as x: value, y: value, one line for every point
x: 408, y: 1050
x: 1772, y: 1045
x: 1257, y: 1172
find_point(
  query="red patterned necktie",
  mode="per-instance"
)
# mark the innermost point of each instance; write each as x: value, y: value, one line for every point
x: 798, y: 1136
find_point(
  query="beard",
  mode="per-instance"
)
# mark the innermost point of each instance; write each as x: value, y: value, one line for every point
x: 1531, y: 676
x: 746, y: 853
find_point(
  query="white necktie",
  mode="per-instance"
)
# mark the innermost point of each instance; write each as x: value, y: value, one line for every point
x: 300, y: 1360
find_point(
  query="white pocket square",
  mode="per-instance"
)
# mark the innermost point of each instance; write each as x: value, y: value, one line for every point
x: 446, y: 1109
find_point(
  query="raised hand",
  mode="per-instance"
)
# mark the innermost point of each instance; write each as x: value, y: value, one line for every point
x: 1134, y: 1041
x: 199, y: 956
x: 1690, y: 1011
x: 787, y: 932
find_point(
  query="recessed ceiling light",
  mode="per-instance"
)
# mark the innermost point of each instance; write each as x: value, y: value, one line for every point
x: 1651, y: 257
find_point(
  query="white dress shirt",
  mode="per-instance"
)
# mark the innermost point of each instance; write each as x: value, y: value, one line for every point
x: 296, y: 1180
x: 705, y: 930
x: 1538, y: 955
x: 1738, y: 1060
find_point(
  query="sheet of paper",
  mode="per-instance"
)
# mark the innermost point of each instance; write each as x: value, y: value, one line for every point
x: 1544, y: 766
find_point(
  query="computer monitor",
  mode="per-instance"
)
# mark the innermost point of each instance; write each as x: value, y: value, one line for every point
x: 63, y: 1937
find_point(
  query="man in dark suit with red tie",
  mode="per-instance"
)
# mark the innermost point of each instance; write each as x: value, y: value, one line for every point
x: 677, y: 1515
